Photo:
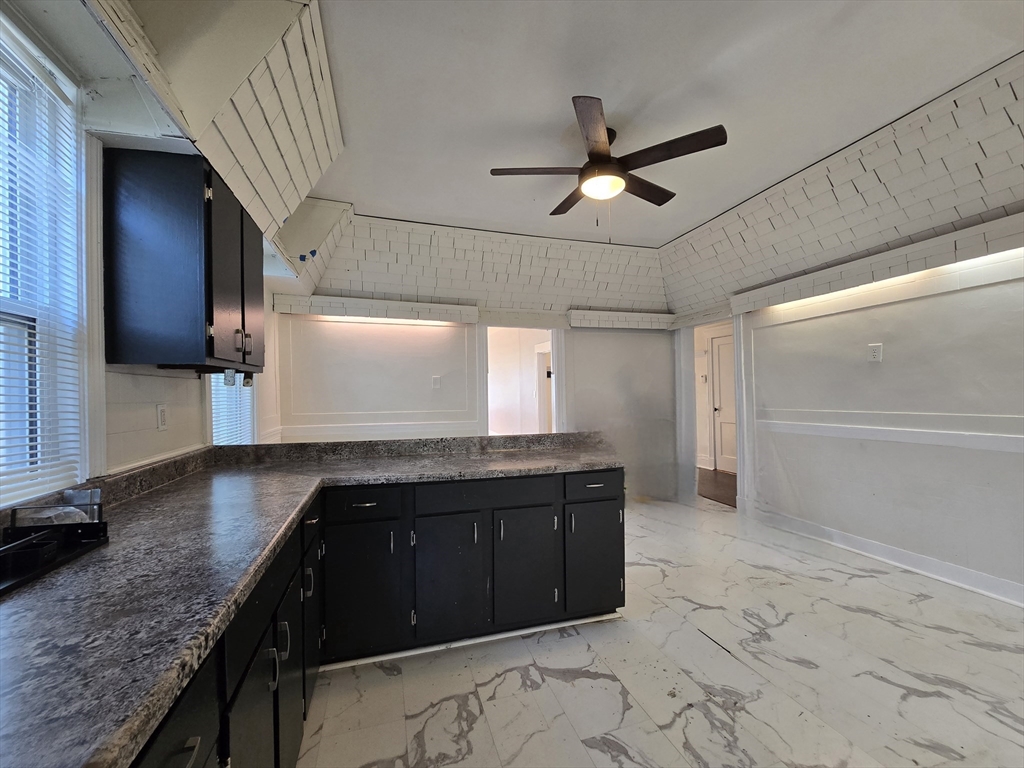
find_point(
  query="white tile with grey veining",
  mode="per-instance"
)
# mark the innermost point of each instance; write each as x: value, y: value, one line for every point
x: 636, y: 746
x: 532, y: 731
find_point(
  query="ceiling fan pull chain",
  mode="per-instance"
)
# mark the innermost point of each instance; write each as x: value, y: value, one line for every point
x: 609, y: 201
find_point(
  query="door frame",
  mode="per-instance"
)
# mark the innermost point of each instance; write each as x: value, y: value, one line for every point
x: 709, y: 332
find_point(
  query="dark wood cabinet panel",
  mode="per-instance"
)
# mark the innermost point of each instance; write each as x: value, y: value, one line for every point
x: 154, y: 246
x: 289, y: 702
x: 362, y: 589
x: 453, y: 575
x: 252, y: 291
x: 495, y: 493
x: 363, y: 504
x: 225, y: 272
x: 595, y: 567
x: 312, y: 616
x: 188, y: 735
x: 528, y: 565
x: 250, y: 721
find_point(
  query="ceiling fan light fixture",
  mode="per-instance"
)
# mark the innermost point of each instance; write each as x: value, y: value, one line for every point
x: 602, y: 182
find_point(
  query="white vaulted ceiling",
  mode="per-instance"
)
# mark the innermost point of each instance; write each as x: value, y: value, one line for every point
x: 433, y: 94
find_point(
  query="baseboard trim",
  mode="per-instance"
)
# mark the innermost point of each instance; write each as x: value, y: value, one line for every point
x: 470, y: 641
x: 957, y: 575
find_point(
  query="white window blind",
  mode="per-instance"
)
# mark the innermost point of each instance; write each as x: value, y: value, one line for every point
x: 231, y: 408
x: 41, y: 329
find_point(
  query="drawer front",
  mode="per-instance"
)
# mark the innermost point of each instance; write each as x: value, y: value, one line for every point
x: 594, y: 485
x: 499, y: 493
x: 245, y: 630
x: 188, y: 734
x: 363, y: 504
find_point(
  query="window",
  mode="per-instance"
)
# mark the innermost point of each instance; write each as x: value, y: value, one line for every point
x: 231, y: 409
x: 41, y: 328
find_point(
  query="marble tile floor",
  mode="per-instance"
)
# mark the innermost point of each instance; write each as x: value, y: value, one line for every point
x: 728, y: 653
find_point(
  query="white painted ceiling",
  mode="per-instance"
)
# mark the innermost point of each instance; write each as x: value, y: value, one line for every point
x: 433, y: 94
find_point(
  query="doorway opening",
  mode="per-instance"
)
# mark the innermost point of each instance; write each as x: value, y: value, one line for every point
x: 714, y: 367
x: 520, y: 385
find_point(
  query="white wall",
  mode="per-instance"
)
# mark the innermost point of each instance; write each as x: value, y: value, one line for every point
x: 132, y: 397
x: 622, y: 383
x: 916, y: 458
x: 365, y: 381
x: 512, y: 404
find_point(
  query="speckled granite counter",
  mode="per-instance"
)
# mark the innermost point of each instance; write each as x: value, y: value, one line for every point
x: 93, y: 655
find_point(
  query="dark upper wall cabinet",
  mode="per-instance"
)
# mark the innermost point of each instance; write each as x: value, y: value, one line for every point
x: 183, y: 265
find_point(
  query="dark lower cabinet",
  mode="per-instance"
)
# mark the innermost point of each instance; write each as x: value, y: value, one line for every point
x: 528, y: 565
x: 453, y: 575
x: 188, y: 735
x: 312, y: 617
x: 289, y: 703
x: 595, y: 558
x: 250, y: 737
x: 363, y: 583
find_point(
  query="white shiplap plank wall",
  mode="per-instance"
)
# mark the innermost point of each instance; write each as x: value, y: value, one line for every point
x: 280, y: 130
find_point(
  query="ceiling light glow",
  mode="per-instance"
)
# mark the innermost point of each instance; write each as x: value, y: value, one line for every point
x: 603, y: 187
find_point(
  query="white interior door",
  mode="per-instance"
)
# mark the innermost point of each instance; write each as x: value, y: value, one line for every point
x: 723, y: 380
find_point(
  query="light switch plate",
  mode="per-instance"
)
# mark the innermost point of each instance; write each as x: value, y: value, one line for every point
x: 874, y: 353
x: 161, y: 417
x: 435, y: 382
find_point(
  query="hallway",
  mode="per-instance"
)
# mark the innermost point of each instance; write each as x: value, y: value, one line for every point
x: 728, y: 652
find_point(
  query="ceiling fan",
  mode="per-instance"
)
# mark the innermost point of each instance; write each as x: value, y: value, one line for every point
x: 604, y: 176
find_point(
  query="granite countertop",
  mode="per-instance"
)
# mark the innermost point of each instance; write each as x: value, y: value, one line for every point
x: 93, y: 655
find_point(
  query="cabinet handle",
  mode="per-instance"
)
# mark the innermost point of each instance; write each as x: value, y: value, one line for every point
x: 556, y: 522
x: 620, y: 515
x: 314, y: 521
x: 193, y: 746
x: 501, y: 525
x: 239, y: 340
x: 556, y: 594
x: 283, y: 627
x: 474, y: 533
x: 595, y: 485
x: 272, y: 685
x: 572, y: 522
x: 622, y: 585
x: 366, y: 504
x: 248, y: 343
x: 392, y: 542
x: 309, y: 592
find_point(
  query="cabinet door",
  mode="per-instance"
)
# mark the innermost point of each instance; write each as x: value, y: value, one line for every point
x: 289, y: 688
x: 312, y: 617
x: 595, y: 559
x: 251, y: 718
x: 527, y: 565
x: 225, y: 255
x: 252, y: 289
x: 453, y: 576
x: 362, y: 589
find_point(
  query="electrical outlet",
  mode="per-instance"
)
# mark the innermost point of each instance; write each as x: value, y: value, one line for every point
x: 874, y: 353
x: 161, y: 417
x: 435, y: 382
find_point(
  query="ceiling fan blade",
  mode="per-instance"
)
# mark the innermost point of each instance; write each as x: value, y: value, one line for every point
x: 574, y: 197
x: 684, y: 145
x: 559, y: 171
x: 645, y: 190
x: 590, y: 116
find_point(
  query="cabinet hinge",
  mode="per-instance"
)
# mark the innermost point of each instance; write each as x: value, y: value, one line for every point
x: 208, y: 193
x: 412, y: 543
x: 209, y: 330
x: 412, y: 618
